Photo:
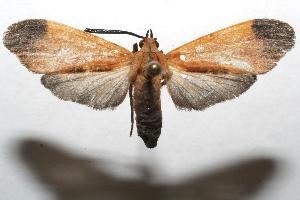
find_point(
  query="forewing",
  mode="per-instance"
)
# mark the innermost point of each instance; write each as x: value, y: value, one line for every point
x: 99, y: 90
x: 224, y: 64
x: 253, y: 46
x: 49, y: 47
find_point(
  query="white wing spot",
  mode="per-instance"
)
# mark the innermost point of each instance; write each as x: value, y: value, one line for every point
x: 182, y: 57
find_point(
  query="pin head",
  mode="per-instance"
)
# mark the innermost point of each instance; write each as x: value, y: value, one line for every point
x: 152, y: 69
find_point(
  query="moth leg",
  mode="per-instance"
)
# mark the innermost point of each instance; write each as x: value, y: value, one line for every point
x: 163, y: 80
x: 166, y: 75
x: 131, y: 108
x: 135, y: 48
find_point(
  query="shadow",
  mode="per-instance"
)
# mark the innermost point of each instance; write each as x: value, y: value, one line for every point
x: 71, y: 177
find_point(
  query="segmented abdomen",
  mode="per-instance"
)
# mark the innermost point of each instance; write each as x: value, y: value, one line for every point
x: 148, y: 109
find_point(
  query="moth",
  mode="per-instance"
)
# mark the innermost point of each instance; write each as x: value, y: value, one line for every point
x: 81, y: 67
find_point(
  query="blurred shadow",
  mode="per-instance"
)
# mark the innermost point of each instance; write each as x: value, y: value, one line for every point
x: 71, y: 177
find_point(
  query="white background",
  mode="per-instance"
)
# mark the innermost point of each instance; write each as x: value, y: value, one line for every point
x: 247, y: 148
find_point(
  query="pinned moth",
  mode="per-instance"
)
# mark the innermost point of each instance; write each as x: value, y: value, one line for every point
x: 81, y: 67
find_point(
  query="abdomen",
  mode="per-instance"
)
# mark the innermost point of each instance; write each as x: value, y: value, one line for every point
x: 148, y: 109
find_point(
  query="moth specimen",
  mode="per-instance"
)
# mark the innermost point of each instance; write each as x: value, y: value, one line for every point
x: 81, y: 67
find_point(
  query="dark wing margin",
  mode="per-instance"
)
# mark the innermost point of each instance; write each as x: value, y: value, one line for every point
x: 224, y: 64
x: 278, y: 37
x: 21, y: 36
x: 99, y: 90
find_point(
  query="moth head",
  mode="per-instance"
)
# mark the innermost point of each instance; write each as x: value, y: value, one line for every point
x: 152, y: 69
x: 148, y: 39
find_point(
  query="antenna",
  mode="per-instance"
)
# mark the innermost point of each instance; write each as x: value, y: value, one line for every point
x: 106, y: 31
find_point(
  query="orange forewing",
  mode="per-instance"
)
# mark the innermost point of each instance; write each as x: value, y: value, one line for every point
x: 45, y: 46
x: 250, y: 47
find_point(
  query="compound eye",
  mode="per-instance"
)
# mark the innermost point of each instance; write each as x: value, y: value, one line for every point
x: 157, y: 44
x: 141, y: 43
